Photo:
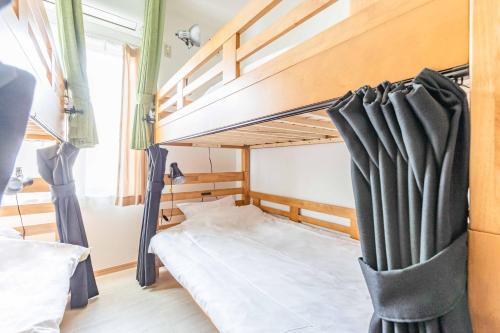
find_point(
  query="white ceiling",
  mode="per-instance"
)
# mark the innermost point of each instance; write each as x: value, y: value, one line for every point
x: 218, y: 11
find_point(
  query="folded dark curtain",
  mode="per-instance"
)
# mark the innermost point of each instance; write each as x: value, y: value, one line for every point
x: 55, y: 164
x: 157, y: 158
x: 409, y: 149
x: 16, y: 96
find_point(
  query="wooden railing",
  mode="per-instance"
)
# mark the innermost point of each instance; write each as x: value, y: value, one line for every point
x: 39, y: 186
x: 29, y: 44
x: 172, y: 96
x: 296, y: 207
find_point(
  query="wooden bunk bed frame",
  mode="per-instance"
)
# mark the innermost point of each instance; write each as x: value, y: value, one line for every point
x: 282, y: 102
x: 29, y: 45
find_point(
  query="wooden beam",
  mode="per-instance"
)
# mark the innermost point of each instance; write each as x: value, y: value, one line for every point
x: 297, y: 143
x: 216, y: 177
x: 301, y: 13
x: 298, y: 128
x: 303, y: 121
x: 39, y: 185
x: 252, y: 12
x: 321, y: 68
x: 245, y: 168
x: 230, y: 66
x: 330, y: 209
x: 38, y: 229
x: 484, y: 234
x: 201, y: 194
x: 27, y: 209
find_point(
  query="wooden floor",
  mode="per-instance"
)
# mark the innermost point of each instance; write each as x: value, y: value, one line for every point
x: 123, y: 306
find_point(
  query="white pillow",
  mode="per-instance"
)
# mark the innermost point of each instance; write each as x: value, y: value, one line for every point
x: 191, y: 209
x: 9, y: 232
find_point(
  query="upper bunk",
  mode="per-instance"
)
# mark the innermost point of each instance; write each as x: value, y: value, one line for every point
x: 280, y: 99
x: 28, y: 43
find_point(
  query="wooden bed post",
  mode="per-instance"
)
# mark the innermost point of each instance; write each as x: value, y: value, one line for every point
x: 484, y: 233
x: 245, y: 168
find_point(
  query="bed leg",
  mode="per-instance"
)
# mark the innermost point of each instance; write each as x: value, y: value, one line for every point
x: 157, y: 266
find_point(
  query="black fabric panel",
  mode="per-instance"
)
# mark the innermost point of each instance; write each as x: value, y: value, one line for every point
x: 55, y: 165
x: 410, y: 149
x: 157, y: 158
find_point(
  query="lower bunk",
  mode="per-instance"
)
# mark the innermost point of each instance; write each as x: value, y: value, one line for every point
x: 251, y: 271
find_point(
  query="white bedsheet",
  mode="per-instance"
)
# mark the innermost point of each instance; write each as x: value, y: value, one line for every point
x: 252, y: 272
x: 34, y: 283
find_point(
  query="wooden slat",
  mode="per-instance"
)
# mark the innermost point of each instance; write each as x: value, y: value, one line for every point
x: 245, y: 167
x: 201, y: 194
x: 38, y: 229
x: 298, y: 128
x: 276, y: 211
x: 325, y: 224
x: 216, y: 177
x: 297, y: 143
x: 230, y: 66
x: 203, y: 79
x: 252, y: 12
x: 301, y: 13
x: 189, y: 144
x: 27, y: 209
x: 306, y: 204
x: 328, y: 64
x: 39, y: 185
x: 297, y: 120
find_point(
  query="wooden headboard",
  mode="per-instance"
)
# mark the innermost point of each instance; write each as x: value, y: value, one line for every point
x: 296, y: 207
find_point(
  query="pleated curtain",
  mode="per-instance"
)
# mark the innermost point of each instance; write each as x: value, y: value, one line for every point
x: 82, y: 130
x: 409, y: 149
x: 152, y: 44
x: 157, y: 158
x: 55, y: 164
x: 131, y: 184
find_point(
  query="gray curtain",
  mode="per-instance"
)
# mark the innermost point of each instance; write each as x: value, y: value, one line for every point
x: 157, y: 158
x: 409, y: 147
x: 16, y: 96
x: 55, y: 164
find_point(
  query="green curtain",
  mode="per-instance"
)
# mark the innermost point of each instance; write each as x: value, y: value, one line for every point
x: 152, y: 41
x: 82, y: 131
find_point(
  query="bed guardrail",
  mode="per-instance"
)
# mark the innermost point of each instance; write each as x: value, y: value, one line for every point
x: 38, y: 186
x: 320, y: 68
x: 297, y: 207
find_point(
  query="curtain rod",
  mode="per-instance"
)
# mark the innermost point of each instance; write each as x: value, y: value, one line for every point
x: 453, y: 73
x: 47, y: 128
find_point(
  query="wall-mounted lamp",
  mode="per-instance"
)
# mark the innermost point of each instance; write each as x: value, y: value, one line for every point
x: 176, y: 175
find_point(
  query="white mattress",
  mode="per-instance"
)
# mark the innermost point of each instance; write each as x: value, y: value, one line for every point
x: 252, y: 272
x: 34, y: 283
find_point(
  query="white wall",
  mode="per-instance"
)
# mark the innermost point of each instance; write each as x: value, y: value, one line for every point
x: 314, y: 172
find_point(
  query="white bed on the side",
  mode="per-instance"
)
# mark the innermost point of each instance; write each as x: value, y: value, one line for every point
x: 34, y: 283
x: 252, y: 272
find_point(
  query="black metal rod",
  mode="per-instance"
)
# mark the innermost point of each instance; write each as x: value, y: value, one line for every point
x: 452, y: 73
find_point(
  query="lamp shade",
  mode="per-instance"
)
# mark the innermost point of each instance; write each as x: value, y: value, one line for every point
x: 176, y: 174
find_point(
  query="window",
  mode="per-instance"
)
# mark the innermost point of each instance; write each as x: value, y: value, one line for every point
x: 96, y: 168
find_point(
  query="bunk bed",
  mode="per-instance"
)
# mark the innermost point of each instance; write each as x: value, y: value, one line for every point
x: 28, y: 44
x: 282, y: 102
x: 36, y: 274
